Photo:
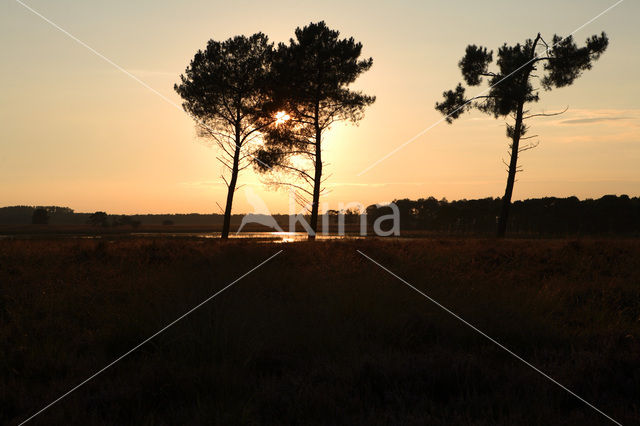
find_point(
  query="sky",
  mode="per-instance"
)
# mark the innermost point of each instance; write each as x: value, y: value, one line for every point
x: 77, y: 131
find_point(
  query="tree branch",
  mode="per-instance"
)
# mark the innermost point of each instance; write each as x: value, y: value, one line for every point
x: 546, y: 114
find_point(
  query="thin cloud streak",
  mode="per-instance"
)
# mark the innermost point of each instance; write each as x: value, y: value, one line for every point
x: 589, y: 116
x: 593, y: 120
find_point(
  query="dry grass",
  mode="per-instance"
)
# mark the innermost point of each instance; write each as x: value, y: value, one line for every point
x: 319, y: 335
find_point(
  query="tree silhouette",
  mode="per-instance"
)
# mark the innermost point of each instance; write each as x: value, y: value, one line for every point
x: 548, y: 216
x: 40, y: 216
x: 510, y: 87
x: 223, y: 90
x: 98, y: 219
x: 311, y: 76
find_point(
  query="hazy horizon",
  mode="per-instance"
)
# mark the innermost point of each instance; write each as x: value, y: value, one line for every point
x: 250, y: 211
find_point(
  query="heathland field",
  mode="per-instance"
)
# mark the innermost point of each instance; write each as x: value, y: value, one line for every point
x: 320, y: 334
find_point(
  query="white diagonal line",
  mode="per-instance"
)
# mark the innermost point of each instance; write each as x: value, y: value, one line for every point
x: 398, y: 148
x: 147, y: 339
x: 142, y: 82
x: 100, y: 55
x: 458, y: 317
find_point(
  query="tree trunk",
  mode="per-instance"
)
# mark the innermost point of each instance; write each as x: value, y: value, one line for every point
x: 232, y: 188
x: 511, y: 177
x: 513, y: 164
x: 317, y: 182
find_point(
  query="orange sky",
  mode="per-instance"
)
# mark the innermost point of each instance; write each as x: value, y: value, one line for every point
x: 76, y: 131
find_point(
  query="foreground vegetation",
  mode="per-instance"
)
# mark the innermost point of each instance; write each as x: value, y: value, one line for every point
x: 319, y: 335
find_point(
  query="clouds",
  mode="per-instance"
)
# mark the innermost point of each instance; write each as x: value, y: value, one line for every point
x: 620, y: 126
x: 592, y: 116
x: 593, y: 120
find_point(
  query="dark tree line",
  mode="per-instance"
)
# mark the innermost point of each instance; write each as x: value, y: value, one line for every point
x: 23, y: 215
x: 37, y: 215
x: 548, y: 216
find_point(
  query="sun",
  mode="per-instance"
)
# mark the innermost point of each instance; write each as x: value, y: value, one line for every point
x: 282, y: 117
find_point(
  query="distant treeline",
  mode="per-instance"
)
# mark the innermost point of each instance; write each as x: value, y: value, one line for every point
x: 24, y: 215
x: 541, y: 216
x: 55, y: 215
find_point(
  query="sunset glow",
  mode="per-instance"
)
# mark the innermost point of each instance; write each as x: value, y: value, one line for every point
x: 103, y: 141
x: 388, y: 197
x: 282, y: 117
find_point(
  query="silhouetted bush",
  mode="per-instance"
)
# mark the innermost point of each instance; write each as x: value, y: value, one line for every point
x: 98, y: 219
x: 40, y: 216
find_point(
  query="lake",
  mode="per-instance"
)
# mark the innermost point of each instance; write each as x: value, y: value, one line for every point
x: 275, y: 237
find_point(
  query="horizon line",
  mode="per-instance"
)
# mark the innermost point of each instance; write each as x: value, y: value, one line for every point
x: 35, y: 206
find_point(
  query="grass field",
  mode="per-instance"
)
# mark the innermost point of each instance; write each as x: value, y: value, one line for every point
x: 320, y: 335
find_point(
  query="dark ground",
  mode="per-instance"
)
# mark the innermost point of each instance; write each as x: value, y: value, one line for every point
x: 320, y: 335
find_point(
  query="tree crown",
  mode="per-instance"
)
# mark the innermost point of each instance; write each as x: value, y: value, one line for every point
x: 226, y: 82
x: 314, y: 70
x: 311, y: 76
x: 510, y: 83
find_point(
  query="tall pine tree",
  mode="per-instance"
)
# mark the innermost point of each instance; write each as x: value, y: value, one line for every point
x: 311, y: 76
x: 555, y: 65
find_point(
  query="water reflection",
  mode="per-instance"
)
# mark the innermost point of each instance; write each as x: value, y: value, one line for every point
x: 274, y: 237
x: 267, y: 237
